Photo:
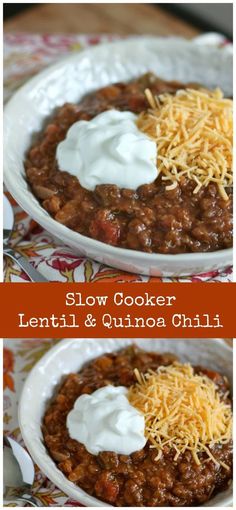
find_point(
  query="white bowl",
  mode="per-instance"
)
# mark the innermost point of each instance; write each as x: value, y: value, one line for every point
x: 69, y: 356
x: 69, y: 80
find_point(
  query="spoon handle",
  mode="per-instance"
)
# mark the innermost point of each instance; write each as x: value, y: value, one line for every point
x: 33, y: 274
x: 30, y: 500
x: 18, y: 494
x: 26, y: 498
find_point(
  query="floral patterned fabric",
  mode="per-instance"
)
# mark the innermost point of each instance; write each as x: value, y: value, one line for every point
x: 19, y: 356
x: 24, y: 56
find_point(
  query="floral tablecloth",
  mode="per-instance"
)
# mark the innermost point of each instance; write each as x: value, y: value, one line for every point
x: 19, y: 356
x: 25, y: 55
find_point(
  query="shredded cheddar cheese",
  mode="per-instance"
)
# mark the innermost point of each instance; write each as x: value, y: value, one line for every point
x: 193, y: 130
x: 183, y: 410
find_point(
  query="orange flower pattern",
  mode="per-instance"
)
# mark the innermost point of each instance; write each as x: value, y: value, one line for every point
x: 8, y: 368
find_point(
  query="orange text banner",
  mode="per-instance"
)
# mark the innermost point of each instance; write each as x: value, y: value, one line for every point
x: 174, y: 310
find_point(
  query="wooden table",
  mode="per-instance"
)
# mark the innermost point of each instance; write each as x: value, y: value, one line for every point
x: 122, y: 19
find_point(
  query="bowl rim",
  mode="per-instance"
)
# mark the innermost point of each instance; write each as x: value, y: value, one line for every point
x: 73, y: 490
x: 56, y: 228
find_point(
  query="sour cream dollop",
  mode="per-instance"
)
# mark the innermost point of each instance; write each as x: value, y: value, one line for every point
x: 109, y: 149
x: 106, y: 421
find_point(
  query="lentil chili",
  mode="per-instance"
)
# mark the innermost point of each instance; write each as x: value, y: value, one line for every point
x: 137, y: 479
x: 149, y: 219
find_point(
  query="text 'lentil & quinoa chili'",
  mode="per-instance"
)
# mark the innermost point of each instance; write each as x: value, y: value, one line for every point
x: 187, y: 458
x: 187, y: 208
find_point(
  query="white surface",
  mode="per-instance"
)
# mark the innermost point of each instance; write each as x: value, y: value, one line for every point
x: 25, y: 462
x: 69, y: 356
x: 8, y: 216
x: 12, y: 476
x: 69, y: 80
x: 108, y: 149
x: 105, y: 421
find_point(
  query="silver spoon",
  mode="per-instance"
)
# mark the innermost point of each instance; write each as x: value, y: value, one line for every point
x: 18, y: 473
x: 8, y: 226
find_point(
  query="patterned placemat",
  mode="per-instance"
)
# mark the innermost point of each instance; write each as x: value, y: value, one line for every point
x: 19, y: 356
x: 24, y: 56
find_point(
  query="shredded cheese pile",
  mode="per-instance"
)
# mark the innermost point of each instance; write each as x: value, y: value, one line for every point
x: 183, y: 410
x: 193, y: 130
